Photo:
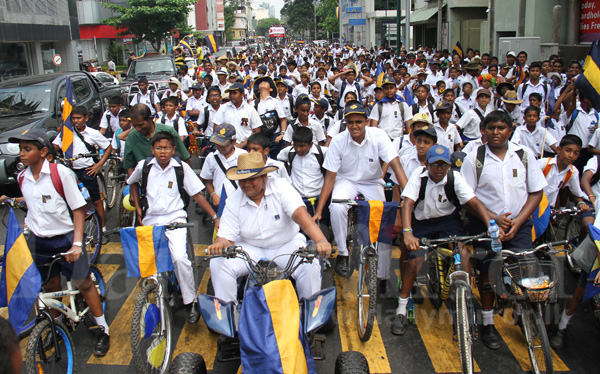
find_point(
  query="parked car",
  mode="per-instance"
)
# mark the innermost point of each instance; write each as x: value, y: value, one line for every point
x: 36, y: 102
x: 106, y: 78
x: 157, y: 69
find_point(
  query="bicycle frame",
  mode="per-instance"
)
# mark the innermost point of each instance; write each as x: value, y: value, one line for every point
x: 51, y: 300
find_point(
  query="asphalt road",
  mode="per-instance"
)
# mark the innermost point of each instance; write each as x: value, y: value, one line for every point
x: 427, y: 347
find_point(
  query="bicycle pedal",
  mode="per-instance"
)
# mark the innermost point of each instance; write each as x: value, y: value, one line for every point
x: 318, y: 349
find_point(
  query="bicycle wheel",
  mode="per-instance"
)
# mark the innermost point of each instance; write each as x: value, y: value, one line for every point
x: 152, y: 347
x: 352, y: 242
x: 463, y: 324
x: 367, y: 297
x: 41, y: 355
x: 102, y: 188
x: 434, y: 280
x: 98, y: 281
x: 93, y: 236
x: 538, y: 345
x: 124, y: 216
x: 111, y: 184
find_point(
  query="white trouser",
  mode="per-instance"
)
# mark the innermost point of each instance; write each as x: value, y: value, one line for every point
x: 225, y: 272
x: 345, y: 189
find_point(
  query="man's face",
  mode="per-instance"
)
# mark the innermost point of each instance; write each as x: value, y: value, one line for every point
x: 356, y: 124
x: 207, y: 67
x: 141, y: 125
x: 497, y: 134
x: 236, y: 97
x: 390, y: 90
x: 510, y: 59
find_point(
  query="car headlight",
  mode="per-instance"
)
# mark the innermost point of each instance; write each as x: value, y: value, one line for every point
x: 10, y: 149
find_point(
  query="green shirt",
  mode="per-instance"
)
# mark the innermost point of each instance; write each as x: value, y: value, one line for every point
x: 138, y: 147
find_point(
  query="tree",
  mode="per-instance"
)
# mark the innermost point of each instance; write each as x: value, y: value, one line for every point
x: 262, y: 28
x: 115, y: 52
x: 328, y: 20
x: 299, y: 15
x: 149, y: 20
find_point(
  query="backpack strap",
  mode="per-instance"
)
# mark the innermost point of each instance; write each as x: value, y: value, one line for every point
x: 451, y: 191
x: 431, y: 111
x: 568, y: 176
x: 572, y: 120
x: 144, y: 184
x: 422, y: 188
x: 320, y: 158
x: 479, y: 114
x: 379, y: 109
x: 206, y: 117
x: 458, y: 110
x: 54, y: 176
x: 222, y: 167
x: 179, y: 174
x: 162, y: 119
x: 415, y: 109
x: 342, y: 89
x: 547, y: 167
x: 291, y: 156
x: 291, y: 100
x: 480, y: 161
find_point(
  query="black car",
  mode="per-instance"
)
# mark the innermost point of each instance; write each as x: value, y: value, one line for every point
x: 36, y: 102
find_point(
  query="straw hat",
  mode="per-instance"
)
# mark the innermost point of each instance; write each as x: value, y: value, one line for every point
x: 174, y: 80
x: 249, y: 165
x: 511, y: 97
x: 420, y: 117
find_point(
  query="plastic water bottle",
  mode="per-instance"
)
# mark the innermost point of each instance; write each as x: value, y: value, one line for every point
x: 494, y: 230
x: 101, y: 153
x: 89, y: 205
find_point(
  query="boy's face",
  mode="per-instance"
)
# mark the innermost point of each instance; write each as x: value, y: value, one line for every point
x: 449, y: 96
x: 453, y: 73
x: 444, y: 115
x: 143, y: 87
x: 421, y: 93
x: 197, y: 93
x: 163, y: 150
x: 534, y: 101
x: 319, y: 111
x: 214, y: 97
x: 303, y: 112
x: 531, y: 118
x: 534, y: 73
x: 510, y: 107
x: 224, y: 149
x: 208, y: 81
x: 30, y: 154
x: 316, y: 90
x: 304, y: 79
x: 390, y: 90
x: 170, y: 107
x: 236, y: 97
x: 253, y: 147
x: 281, y: 89
x: 114, y: 108
x: 483, y: 100
x: 125, y: 123
x: 442, y: 87
x: 568, y: 153
x: 467, y: 89
x: 423, y: 143
x: 356, y: 124
x: 379, y: 95
x: 349, y: 97
x: 485, y: 83
x: 173, y: 87
x: 350, y: 77
x: 497, y: 134
x: 438, y: 170
x: 301, y: 148
x: 397, y: 76
x: 79, y: 121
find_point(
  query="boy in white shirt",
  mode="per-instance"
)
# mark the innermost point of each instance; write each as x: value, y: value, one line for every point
x: 447, y: 133
x: 145, y: 96
x: 533, y: 136
x: 303, y: 105
x: 260, y: 143
x: 175, y: 90
x: 109, y: 123
x: 172, y: 118
x: 470, y: 121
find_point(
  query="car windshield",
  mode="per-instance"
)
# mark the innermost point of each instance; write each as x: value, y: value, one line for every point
x: 153, y: 67
x: 19, y: 100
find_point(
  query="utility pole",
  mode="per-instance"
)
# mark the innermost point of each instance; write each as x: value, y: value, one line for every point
x: 439, y: 25
x: 407, y: 26
x: 491, y: 36
x: 398, y: 26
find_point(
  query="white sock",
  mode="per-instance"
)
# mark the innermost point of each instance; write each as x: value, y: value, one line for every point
x: 104, y: 229
x: 101, y: 321
x: 402, y: 303
x: 488, y: 317
x: 564, y: 320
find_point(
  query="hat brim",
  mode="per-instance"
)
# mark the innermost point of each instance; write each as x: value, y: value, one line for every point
x: 512, y: 101
x: 257, y: 83
x: 437, y: 158
x: 504, y: 84
x: 232, y: 173
x: 220, y: 140
x: 410, y: 122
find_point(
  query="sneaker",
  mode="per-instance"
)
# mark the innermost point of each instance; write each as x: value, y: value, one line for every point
x: 490, y: 337
x: 341, y: 266
x: 399, y: 324
x: 557, y: 338
x: 102, y: 344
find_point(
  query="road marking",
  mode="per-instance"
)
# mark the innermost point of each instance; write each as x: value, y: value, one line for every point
x: 112, y: 248
x: 199, y: 249
x: 435, y: 328
x: 120, y: 334
x: 196, y: 338
x: 107, y: 270
x: 347, y: 307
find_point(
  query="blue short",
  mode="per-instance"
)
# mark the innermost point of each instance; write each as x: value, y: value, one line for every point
x: 435, y: 228
x: 89, y: 182
x: 589, y: 213
x: 325, y: 217
x: 42, y: 249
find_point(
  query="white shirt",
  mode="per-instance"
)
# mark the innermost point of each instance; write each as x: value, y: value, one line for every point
x: 501, y: 179
x: 472, y: 145
x: 582, y: 125
x: 449, y: 137
x: 47, y: 212
x: 270, y: 104
x: 178, y: 93
x: 118, y: 144
x: 470, y: 122
x: 436, y: 204
x: 244, y: 119
x: 195, y: 104
x: 356, y: 162
x: 315, y: 126
x: 325, y: 122
x: 516, y: 115
x: 348, y: 88
x: 555, y: 179
x: 307, y: 177
x: 110, y: 119
x: 281, y: 171
x: 300, y: 89
x: 150, y: 99
x: 165, y: 204
x: 211, y: 170
x: 92, y: 137
x: 268, y: 225
x: 211, y: 115
x: 286, y: 106
x: 223, y: 87
x: 391, y: 120
x: 111, y: 65
x: 181, y: 126
x: 409, y: 161
x: 592, y: 166
x: 186, y: 83
x: 534, y: 140
x: 468, y: 104
x: 540, y: 88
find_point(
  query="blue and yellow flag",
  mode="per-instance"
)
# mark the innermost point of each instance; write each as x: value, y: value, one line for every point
x: 458, y: 50
x: 146, y: 251
x: 376, y: 221
x: 519, y: 73
x: 591, y: 289
x: 591, y: 75
x: 21, y: 281
x: 247, y: 81
x: 379, y: 75
x: 186, y: 48
x: 541, y: 218
x: 272, y: 339
x: 407, y: 96
x: 67, y: 125
x: 211, y: 43
x: 344, y: 37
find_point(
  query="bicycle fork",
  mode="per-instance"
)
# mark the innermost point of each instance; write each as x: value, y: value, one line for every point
x: 460, y: 278
x: 41, y: 350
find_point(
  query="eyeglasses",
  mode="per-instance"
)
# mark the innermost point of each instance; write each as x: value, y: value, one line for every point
x: 163, y: 149
x: 213, y: 96
x: 439, y: 166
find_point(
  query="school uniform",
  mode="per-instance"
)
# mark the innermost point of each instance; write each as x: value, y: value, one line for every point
x: 306, y: 175
x: 428, y: 108
x: 176, y: 119
x: 177, y: 93
x: 325, y: 122
x: 516, y: 115
x: 223, y: 87
x: 467, y: 103
x: 403, y: 145
x: 534, y: 140
x: 150, y: 99
x: 195, y: 104
x: 244, y: 119
x: 554, y: 127
x: 393, y: 117
x: 592, y: 166
x: 186, y: 83
x: 409, y: 161
x: 315, y: 126
x: 583, y: 123
x: 358, y: 171
x: 111, y: 121
x: 556, y: 180
x: 264, y: 231
x: 300, y: 89
x: 448, y: 137
x: 212, y: 171
x: 208, y: 126
x: 288, y: 108
x: 49, y: 221
x: 470, y: 123
x: 281, y: 171
x: 540, y: 88
x: 472, y: 145
x: 118, y: 144
x: 354, y: 87
x: 165, y: 205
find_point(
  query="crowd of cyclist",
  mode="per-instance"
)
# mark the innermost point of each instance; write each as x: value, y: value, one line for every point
x: 280, y: 125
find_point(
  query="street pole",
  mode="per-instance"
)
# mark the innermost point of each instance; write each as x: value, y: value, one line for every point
x: 439, y: 25
x: 315, y: 8
x: 407, y: 25
x: 491, y: 36
x: 398, y: 26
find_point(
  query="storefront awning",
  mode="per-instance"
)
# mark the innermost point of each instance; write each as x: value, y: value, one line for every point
x: 421, y: 15
x: 100, y: 32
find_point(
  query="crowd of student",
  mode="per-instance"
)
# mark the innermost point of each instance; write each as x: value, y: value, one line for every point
x: 334, y: 123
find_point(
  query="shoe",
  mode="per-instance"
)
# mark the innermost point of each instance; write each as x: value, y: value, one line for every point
x: 490, y: 337
x: 193, y: 312
x: 341, y: 266
x: 105, y: 239
x: 557, y: 339
x: 382, y: 286
x: 102, y: 344
x: 399, y: 324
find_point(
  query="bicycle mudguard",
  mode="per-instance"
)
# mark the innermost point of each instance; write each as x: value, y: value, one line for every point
x: 317, y: 309
x: 218, y: 315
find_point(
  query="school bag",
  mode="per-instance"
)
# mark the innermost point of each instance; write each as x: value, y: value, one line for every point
x: 270, y: 121
x: 343, y: 88
x: 178, y: 176
x: 175, y: 121
x: 568, y: 175
x: 527, y: 84
x: 139, y: 96
x: 448, y: 189
x: 481, y: 160
x: 574, y: 116
x: 415, y: 110
x: 54, y: 176
x: 320, y: 159
x: 400, y: 106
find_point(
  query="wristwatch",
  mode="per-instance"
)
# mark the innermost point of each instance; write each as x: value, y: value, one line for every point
x: 78, y: 244
x: 215, y: 216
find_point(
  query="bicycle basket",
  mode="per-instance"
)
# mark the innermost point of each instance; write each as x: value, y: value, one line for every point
x: 533, y: 278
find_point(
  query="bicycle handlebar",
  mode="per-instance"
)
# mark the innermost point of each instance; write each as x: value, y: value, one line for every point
x: 118, y: 177
x: 482, y: 252
x: 84, y: 155
x: 452, y: 239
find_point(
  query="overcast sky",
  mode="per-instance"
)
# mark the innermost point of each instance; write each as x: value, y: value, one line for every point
x: 278, y: 4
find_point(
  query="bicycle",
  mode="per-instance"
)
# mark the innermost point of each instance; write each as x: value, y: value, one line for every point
x: 50, y: 347
x: 125, y: 217
x: 464, y: 316
x: 109, y: 170
x: 527, y: 281
x: 152, y: 343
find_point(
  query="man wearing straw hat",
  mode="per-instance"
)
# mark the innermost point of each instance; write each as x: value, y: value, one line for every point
x: 264, y: 217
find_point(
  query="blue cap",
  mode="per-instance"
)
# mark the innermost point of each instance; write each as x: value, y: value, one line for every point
x: 388, y: 79
x: 322, y: 102
x: 196, y: 86
x: 223, y: 135
x: 354, y: 107
x: 235, y: 87
x: 437, y: 153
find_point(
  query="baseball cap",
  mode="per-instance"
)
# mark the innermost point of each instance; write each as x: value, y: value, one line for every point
x: 322, y: 102
x: 196, y: 86
x: 223, y: 134
x: 444, y: 105
x: 33, y: 135
x: 438, y: 153
x: 235, y: 87
x: 456, y: 160
x: 301, y: 99
x: 511, y: 53
x: 263, y: 67
x: 354, y: 107
x: 222, y: 71
x: 427, y: 130
x: 484, y: 91
x: 388, y: 79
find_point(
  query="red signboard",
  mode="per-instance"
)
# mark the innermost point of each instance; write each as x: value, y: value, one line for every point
x: 277, y: 31
x: 589, y: 24
x: 100, y: 32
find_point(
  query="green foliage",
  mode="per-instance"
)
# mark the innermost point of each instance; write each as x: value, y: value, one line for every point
x: 299, y: 15
x: 326, y: 16
x: 115, y: 52
x: 229, y: 20
x: 150, y: 20
x: 263, y: 25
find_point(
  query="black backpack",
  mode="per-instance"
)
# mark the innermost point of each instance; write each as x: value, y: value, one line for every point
x: 448, y: 189
x: 175, y: 121
x: 320, y: 159
x: 179, y: 176
x: 481, y: 160
x: 415, y: 110
x: 270, y: 121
